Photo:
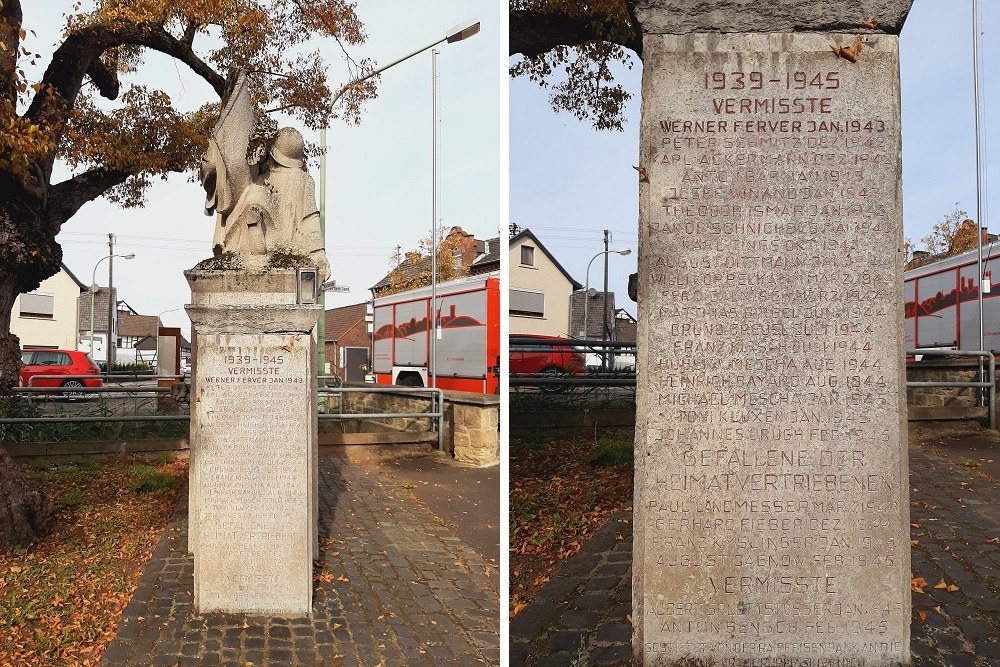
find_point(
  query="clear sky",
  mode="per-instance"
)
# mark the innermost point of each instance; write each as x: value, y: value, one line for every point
x: 379, y: 178
x: 568, y: 182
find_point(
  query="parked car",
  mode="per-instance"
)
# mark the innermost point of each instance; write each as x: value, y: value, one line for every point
x: 557, y: 356
x: 622, y: 361
x: 62, y: 363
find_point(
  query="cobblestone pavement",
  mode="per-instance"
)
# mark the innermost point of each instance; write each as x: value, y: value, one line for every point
x: 395, y: 587
x: 580, y: 616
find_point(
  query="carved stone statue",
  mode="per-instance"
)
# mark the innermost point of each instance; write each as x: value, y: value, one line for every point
x: 265, y: 208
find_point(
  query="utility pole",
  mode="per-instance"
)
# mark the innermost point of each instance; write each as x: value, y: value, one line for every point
x: 112, y: 306
x: 604, y: 321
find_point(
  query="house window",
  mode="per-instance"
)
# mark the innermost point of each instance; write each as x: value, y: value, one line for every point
x: 527, y: 304
x: 39, y: 306
x: 527, y: 255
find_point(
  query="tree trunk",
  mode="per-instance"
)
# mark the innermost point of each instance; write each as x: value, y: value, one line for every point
x: 28, y: 255
x: 25, y: 512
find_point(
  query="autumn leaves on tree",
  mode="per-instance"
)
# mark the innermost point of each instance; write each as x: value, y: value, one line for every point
x: 587, y: 42
x: 953, y: 234
x: 117, y: 150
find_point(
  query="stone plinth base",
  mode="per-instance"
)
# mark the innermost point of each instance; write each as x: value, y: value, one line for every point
x: 253, y: 444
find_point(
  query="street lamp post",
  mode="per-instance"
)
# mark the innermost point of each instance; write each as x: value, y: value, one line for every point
x: 93, y: 291
x: 586, y: 292
x: 456, y: 34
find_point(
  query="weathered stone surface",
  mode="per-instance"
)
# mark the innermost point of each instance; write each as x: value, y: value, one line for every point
x: 262, y: 208
x: 771, y: 487
x: 241, y: 287
x: 253, y: 445
x: 252, y: 424
x: 681, y: 17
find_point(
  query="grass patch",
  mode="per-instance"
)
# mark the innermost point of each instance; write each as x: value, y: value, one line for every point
x: 610, y: 451
x: 72, y: 497
x: 150, y: 480
x: 61, y: 598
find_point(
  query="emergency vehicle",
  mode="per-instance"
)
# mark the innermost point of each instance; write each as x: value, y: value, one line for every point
x: 467, y: 340
x: 941, y: 302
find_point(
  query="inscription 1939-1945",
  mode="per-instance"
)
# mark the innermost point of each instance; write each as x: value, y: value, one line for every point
x: 770, y: 475
x: 252, y: 467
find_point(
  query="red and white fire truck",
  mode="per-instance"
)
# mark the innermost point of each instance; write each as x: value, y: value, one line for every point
x: 467, y: 349
x: 942, y: 302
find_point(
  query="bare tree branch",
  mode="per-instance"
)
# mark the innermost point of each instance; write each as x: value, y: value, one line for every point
x: 10, y: 26
x: 66, y: 198
x: 533, y: 33
x: 105, y: 79
x: 189, y: 33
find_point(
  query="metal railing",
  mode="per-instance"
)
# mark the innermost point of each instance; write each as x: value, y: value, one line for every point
x: 989, y: 382
x: 435, y: 414
x: 607, y: 364
x: 140, y: 403
x: 139, y: 395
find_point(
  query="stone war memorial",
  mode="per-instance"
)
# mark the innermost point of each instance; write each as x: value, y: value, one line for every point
x: 771, y: 498
x: 253, y: 310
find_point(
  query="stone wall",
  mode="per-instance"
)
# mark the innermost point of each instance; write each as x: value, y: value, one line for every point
x: 943, y: 403
x: 471, y: 420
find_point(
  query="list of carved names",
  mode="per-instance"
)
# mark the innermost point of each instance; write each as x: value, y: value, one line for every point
x: 770, y: 269
x: 253, y: 463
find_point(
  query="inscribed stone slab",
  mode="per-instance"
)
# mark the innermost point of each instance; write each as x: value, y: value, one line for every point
x: 251, y: 419
x: 771, y: 481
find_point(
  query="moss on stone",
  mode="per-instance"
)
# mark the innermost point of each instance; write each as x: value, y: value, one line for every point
x: 227, y: 261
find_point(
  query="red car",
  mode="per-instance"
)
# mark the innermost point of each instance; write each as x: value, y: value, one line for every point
x: 545, y: 354
x: 59, y: 362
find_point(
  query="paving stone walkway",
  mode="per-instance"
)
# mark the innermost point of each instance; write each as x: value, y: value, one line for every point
x: 395, y: 587
x: 579, y: 618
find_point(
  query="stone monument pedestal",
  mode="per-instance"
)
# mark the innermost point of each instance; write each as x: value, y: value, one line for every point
x: 253, y: 481
x: 771, y: 493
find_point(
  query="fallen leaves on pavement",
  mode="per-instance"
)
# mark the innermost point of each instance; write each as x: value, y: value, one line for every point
x: 61, y: 599
x: 559, y: 498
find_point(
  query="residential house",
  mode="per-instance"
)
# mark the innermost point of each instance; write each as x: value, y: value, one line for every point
x: 47, y: 317
x: 134, y: 328
x: 626, y: 326
x: 137, y: 336
x: 97, y: 326
x: 488, y: 259
x: 414, y: 270
x: 593, y: 304
x: 348, y: 341
x: 540, y: 288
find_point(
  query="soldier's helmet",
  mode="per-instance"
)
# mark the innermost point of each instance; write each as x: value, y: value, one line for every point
x: 288, y: 148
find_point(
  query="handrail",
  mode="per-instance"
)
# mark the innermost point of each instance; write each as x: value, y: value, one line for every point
x: 436, y: 413
x: 990, y: 383
x: 103, y: 378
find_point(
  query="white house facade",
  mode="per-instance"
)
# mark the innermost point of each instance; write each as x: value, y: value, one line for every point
x: 47, y: 316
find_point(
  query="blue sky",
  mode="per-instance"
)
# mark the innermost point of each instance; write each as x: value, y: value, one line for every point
x: 568, y: 182
x: 379, y: 183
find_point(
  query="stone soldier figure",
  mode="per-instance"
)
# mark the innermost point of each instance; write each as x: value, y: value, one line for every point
x: 260, y: 208
x: 294, y: 214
